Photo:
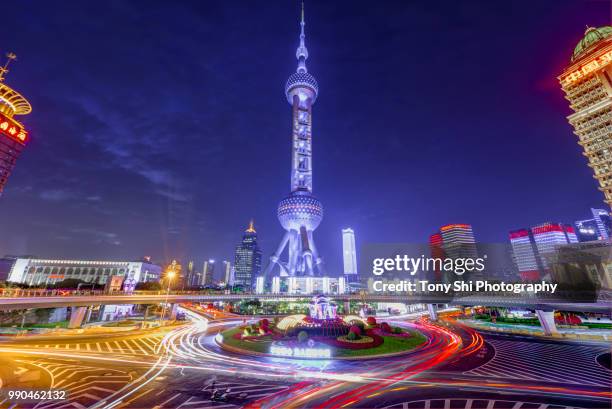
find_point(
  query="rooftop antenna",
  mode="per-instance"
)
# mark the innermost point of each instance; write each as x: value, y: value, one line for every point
x: 4, y: 70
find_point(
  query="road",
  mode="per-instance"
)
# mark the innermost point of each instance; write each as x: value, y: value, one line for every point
x: 179, y: 367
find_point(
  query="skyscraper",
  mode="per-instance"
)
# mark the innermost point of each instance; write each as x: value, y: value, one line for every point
x: 587, y: 83
x: 13, y: 135
x: 458, y: 240
x: 530, y: 247
x: 247, y: 259
x: 349, y: 255
x: 228, y: 278
x: 208, y: 273
x: 300, y: 213
x: 453, y: 241
x: 597, y: 228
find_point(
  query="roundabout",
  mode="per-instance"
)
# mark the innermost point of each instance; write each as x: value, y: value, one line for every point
x: 322, y: 334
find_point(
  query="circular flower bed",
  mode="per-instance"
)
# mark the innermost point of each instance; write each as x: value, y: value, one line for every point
x: 362, y: 340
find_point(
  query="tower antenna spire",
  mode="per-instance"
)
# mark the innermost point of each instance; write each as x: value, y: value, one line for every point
x: 302, y: 52
x: 4, y: 70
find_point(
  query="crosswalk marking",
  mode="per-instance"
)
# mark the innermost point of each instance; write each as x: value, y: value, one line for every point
x: 541, y: 361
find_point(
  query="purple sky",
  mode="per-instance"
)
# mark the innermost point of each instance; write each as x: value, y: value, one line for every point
x: 161, y: 128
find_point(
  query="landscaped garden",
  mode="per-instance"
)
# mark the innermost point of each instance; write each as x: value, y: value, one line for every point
x: 321, y: 334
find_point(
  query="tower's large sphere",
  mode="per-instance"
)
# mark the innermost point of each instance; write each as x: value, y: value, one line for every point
x: 302, y: 84
x: 300, y: 209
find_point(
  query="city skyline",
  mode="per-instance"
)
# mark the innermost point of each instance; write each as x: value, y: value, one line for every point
x: 77, y: 208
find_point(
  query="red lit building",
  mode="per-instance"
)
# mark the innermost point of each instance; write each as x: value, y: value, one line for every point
x: 530, y: 246
x: 453, y: 241
x: 13, y: 136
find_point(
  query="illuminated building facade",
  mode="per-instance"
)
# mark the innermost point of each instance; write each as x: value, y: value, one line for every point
x: 247, y: 259
x: 453, y: 241
x: 597, y: 228
x: 529, y: 247
x: 587, y: 83
x: 349, y: 255
x: 300, y: 213
x: 13, y: 135
x: 33, y: 271
x: 586, y: 230
x: 208, y: 273
x: 228, y: 277
x: 458, y: 240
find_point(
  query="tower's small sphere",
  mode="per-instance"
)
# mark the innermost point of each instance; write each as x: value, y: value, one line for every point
x: 302, y: 84
x: 300, y: 209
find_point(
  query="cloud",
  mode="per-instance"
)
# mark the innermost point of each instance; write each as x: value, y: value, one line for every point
x: 55, y: 195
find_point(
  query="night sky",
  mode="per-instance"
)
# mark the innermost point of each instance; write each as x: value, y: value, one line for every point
x: 161, y: 128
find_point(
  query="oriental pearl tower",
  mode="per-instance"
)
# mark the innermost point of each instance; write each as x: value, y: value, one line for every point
x: 300, y: 213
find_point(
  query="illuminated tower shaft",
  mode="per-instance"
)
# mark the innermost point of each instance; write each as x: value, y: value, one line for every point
x: 300, y: 213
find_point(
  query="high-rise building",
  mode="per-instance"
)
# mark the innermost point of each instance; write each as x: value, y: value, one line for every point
x: 597, y: 228
x: 228, y: 278
x: 13, y: 136
x: 208, y: 273
x: 190, y: 277
x: 530, y: 247
x: 300, y: 213
x: 458, y: 240
x: 247, y: 259
x: 587, y: 83
x: 349, y: 255
x: 452, y: 241
x: 604, y: 222
x: 586, y: 230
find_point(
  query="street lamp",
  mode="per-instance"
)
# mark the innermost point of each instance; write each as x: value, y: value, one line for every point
x: 169, y: 276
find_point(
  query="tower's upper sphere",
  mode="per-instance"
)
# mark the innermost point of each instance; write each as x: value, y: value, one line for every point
x: 300, y: 209
x: 302, y: 84
x: 592, y: 36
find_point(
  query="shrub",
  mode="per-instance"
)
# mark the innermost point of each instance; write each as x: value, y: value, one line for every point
x: 358, y: 324
x: 302, y: 336
x: 264, y: 323
x: 385, y: 327
x: 355, y: 329
x: 371, y: 321
x: 352, y: 336
x: 397, y: 330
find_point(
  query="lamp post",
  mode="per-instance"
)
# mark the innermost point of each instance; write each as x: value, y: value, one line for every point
x: 169, y: 276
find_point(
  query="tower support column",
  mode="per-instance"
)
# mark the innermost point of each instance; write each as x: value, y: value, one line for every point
x: 77, y: 315
x: 547, y: 321
x: 433, y: 313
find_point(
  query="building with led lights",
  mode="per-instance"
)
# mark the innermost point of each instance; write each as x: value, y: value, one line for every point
x: 453, y: 241
x: 247, y: 259
x: 530, y: 247
x: 208, y: 273
x: 34, y: 271
x: 300, y: 213
x: 349, y: 255
x: 228, y: 276
x: 597, y: 228
x: 13, y: 135
x: 587, y: 83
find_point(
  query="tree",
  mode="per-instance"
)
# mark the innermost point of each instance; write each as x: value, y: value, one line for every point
x: 302, y: 336
x: 70, y: 283
x: 148, y: 286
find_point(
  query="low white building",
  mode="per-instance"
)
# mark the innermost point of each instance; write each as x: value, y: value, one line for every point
x: 34, y: 271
